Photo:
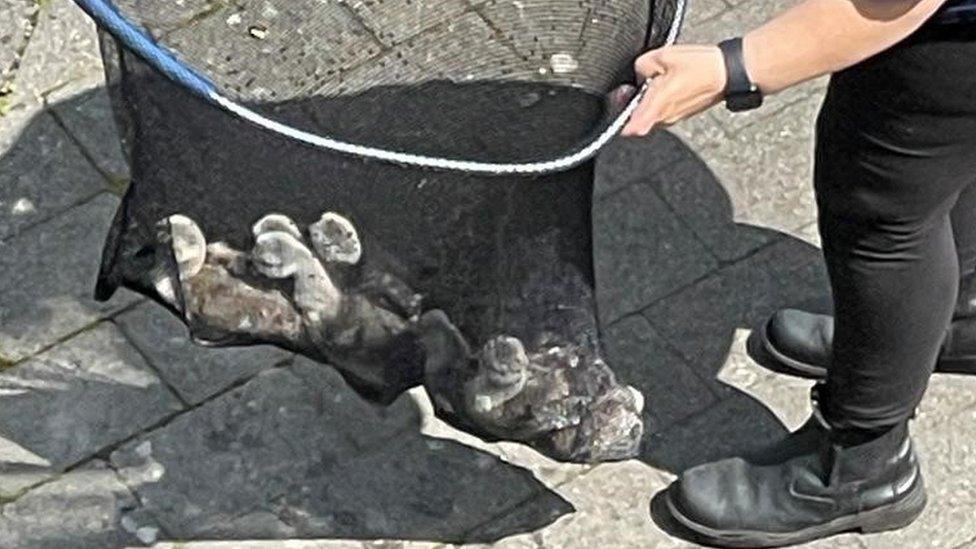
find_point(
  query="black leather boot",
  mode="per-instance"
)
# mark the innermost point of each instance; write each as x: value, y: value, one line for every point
x: 816, y: 483
x: 799, y: 343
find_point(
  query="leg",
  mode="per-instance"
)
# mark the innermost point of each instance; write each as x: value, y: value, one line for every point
x: 964, y: 228
x: 884, y: 196
x: 896, y: 148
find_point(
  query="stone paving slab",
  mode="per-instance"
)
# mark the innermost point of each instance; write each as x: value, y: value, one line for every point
x: 653, y: 252
x: 81, y: 509
x: 276, y: 54
x: 766, y: 168
x: 47, y: 275
x: 167, y: 16
x: 641, y: 358
x: 701, y: 320
x: 42, y: 173
x: 584, y: 44
x: 650, y: 155
x: 696, y: 195
x: 281, y: 457
x: 787, y: 397
x: 62, y: 49
x: 84, y: 111
x: 68, y: 403
x: 18, y: 16
x: 194, y: 371
x: 466, y: 49
x: 395, y: 21
x: 612, y: 503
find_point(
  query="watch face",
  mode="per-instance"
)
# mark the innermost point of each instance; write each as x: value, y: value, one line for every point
x: 744, y: 101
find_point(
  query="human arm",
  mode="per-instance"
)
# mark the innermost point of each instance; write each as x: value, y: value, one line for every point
x: 813, y: 38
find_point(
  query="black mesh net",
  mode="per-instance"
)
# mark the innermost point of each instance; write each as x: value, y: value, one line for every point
x: 479, y: 288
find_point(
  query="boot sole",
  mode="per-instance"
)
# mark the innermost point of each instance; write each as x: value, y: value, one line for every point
x: 956, y: 365
x: 894, y: 516
x: 762, y: 350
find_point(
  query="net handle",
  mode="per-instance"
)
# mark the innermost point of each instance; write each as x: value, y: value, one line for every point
x: 137, y: 40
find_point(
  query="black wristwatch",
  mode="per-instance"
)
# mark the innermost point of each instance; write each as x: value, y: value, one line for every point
x: 741, y: 94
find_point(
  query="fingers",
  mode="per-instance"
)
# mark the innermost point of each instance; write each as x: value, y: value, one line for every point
x: 648, y: 113
x: 649, y: 65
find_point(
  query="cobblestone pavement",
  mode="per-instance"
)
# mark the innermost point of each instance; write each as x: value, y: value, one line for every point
x: 116, y: 431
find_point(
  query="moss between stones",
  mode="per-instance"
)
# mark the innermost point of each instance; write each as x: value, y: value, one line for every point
x: 5, y: 362
x: 6, y: 104
x: 116, y: 184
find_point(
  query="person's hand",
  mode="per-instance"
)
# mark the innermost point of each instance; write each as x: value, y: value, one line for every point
x: 687, y: 79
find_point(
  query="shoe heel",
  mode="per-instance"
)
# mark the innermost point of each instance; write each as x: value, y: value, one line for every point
x: 964, y: 364
x: 896, y: 516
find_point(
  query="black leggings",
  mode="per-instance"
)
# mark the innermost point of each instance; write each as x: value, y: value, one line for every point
x: 895, y: 178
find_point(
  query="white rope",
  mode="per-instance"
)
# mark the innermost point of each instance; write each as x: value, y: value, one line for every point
x: 439, y: 163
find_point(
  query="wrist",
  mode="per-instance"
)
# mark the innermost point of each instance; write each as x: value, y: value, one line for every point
x: 751, y: 61
x: 741, y: 93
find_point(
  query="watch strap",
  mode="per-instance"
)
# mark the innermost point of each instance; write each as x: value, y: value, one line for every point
x: 737, y: 80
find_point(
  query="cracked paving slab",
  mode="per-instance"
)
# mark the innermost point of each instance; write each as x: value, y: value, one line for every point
x: 67, y: 404
x: 81, y: 509
x: 18, y: 20
x: 47, y: 275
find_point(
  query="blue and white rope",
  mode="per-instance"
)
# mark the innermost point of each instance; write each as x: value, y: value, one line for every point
x: 139, y: 42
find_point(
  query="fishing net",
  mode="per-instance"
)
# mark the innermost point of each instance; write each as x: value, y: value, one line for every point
x: 478, y: 287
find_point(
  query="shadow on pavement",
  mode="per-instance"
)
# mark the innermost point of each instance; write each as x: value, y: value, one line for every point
x: 678, y: 283
x: 293, y: 453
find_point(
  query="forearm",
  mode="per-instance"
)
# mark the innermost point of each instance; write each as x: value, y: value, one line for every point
x: 818, y: 37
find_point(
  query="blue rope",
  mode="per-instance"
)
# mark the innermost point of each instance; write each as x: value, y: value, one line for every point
x: 138, y: 41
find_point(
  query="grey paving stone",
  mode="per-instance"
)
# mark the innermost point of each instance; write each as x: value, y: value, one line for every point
x: 277, y: 458
x: 62, y: 49
x: 393, y: 21
x: 701, y: 321
x: 368, y: 426
x: 194, y: 371
x: 46, y: 279
x: 700, y: 11
x: 736, y: 424
x: 631, y: 161
x: 786, y: 396
x: 305, y: 44
x: 767, y: 169
x: 732, y: 22
x: 600, y: 38
x: 162, y: 17
x: 550, y: 472
x: 85, y: 112
x: 42, y: 173
x: 16, y: 27
x: 81, y: 509
x: 612, y: 511
x: 465, y: 49
x: 643, y: 252
x: 70, y: 402
x: 947, y: 452
x: 641, y: 359
x: 700, y: 199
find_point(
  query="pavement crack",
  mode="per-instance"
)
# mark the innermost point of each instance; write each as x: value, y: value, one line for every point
x: 7, y: 83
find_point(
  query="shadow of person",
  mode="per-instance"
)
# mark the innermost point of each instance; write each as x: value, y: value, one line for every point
x: 679, y: 282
